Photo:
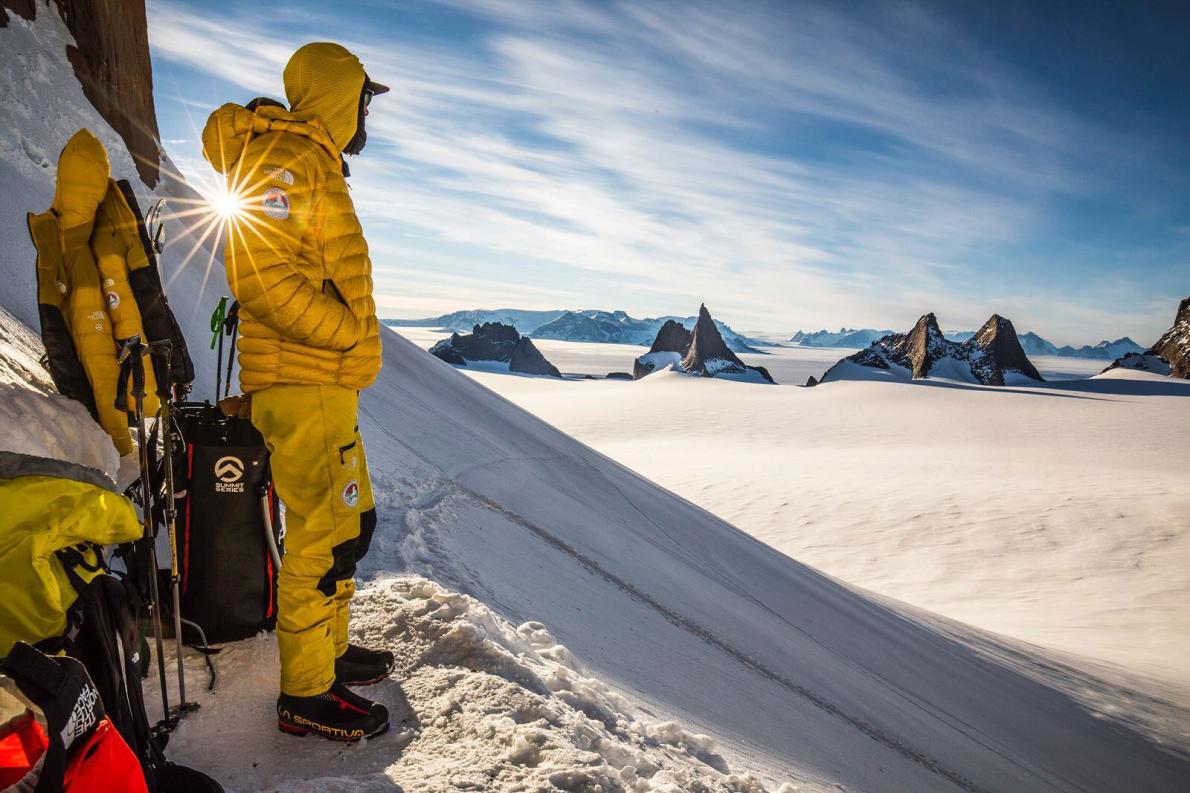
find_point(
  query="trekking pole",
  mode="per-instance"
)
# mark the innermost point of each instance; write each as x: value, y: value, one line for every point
x: 162, y: 350
x: 131, y: 360
x: 217, y: 319
x: 231, y: 327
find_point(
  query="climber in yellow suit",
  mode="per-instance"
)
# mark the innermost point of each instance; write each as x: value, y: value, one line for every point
x: 297, y: 262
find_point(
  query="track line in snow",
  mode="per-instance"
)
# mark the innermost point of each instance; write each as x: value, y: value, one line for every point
x: 710, y: 638
x: 692, y: 627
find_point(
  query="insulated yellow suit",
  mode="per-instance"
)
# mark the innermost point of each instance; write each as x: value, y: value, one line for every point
x: 309, y: 339
x: 86, y: 244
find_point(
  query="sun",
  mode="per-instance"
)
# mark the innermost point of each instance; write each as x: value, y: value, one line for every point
x: 226, y: 204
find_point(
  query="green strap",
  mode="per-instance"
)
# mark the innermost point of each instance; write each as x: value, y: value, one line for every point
x: 217, y: 320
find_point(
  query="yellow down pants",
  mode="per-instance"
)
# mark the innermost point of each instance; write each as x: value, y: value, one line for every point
x: 320, y: 473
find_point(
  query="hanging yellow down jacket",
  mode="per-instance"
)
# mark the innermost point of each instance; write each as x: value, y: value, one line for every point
x: 296, y: 257
x: 47, y: 506
x: 86, y: 245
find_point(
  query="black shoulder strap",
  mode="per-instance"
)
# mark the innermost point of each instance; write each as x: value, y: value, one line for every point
x: 156, y: 316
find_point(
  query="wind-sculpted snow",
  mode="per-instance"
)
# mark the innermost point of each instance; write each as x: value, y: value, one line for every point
x: 481, y: 704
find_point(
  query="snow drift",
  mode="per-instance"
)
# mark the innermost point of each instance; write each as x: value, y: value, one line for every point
x: 659, y: 648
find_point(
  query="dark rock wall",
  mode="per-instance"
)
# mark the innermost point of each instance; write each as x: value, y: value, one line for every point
x: 998, y: 339
x: 1174, y: 346
x: 111, y: 60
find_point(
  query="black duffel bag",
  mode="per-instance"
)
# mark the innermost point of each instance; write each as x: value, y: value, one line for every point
x: 227, y: 510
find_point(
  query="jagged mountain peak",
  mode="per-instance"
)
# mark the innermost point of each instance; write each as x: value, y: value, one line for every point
x: 706, y: 345
x: 672, y: 337
x: 494, y: 341
x: 1002, y: 352
x: 701, y: 351
x: 986, y: 357
x: 1174, y: 344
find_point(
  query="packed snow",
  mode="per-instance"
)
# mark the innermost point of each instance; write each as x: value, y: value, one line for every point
x: 563, y: 623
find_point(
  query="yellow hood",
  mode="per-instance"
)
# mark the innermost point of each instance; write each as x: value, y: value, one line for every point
x: 229, y: 129
x: 323, y: 82
x: 83, y: 173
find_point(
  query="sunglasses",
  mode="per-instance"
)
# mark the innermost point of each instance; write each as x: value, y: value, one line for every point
x: 368, y: 94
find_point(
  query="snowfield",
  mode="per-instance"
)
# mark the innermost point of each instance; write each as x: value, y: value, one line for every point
x: 1043, y: 513
x: 563, y: 623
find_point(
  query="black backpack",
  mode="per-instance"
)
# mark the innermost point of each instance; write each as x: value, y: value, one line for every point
x: 105, y: 632
x: 227, y: 509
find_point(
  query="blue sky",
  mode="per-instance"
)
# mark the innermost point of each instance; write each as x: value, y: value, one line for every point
x: 794, y: 165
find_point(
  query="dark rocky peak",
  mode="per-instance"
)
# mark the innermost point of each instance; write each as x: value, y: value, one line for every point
x: 1174, y: 345
x: 995, y: 349
x: 496, y: 333
x: 672, y: 337
x: 527, y: 359
x: 706, y: 344
x: 494, y: 341
x: 920, y: 348
x: 991, y: 352
x: 701, y: 352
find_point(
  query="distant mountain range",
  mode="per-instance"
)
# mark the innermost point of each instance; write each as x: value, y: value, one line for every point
x: 588, y: 325
x: 845, y: 337
x: 1030, y: 342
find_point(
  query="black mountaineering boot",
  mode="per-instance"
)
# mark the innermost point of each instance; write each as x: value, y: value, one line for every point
x: 339, y: 714
x: 359, y: 666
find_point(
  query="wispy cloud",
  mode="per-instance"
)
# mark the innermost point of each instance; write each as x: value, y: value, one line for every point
x: 804, y: 167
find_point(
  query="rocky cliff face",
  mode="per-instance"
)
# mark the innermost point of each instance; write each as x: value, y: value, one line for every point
x: 1174, y: 346
x: 493, y: 341
x: 1170, y: 355
x: 991, y: 354
x: 527, y: 359
x: 1001, y: 353
x: 111, y: 61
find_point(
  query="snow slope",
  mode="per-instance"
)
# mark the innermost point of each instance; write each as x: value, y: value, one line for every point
x: 676, y: 625
x: 1041, y: 513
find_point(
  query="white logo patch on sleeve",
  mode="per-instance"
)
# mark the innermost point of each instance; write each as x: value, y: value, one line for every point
x: 280, y: 175
x: 275, y: 203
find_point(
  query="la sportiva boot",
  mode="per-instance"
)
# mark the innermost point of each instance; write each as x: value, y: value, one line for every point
x: 362, y: 666
x: 338, y: 713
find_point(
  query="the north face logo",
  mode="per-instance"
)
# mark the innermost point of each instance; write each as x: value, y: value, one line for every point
x: 82, y: 717
x: 229, y: 471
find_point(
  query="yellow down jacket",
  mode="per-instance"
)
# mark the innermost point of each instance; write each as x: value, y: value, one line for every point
x: 296, y: 257
x: 87, y: 245
x: 49, y: 506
